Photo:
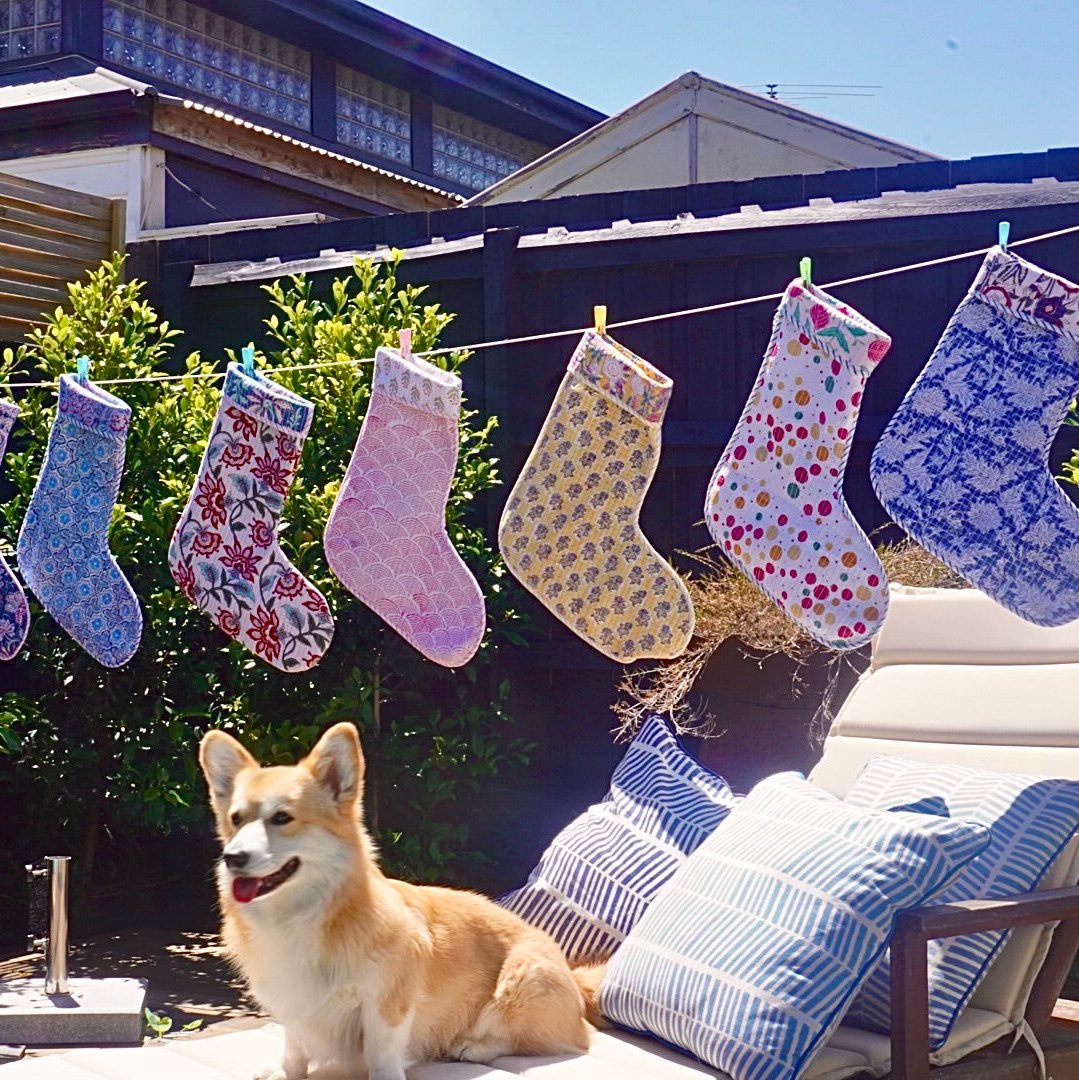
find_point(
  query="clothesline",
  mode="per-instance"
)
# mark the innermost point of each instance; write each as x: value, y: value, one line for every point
x: 552, y: 335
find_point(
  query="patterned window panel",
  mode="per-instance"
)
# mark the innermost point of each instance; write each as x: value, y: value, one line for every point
x: 212, y: 56
x: 474, y: 154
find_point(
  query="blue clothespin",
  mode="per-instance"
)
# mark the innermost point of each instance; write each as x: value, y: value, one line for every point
x: 1003, y: 230
x: 805, y: 270
x: 82, y: 369
x: 248, y: 353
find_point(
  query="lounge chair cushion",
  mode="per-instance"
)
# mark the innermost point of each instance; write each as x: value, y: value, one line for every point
x: 750, y: 955
x: 600, y: 873
x: 1031, y: 818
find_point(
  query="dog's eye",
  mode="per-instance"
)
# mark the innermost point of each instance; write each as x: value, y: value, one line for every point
x: 280, y: 818
x: 236, y: 818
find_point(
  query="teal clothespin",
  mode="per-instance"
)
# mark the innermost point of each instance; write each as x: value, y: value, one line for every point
x: 248, y: 353
x: 1003, y: 230
x: 805, y: 270
x: 82, y: 369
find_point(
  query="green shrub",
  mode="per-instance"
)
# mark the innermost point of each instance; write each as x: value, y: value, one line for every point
x: 87, y: 752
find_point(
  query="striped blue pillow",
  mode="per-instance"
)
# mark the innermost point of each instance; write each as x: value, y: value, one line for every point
x: 1031, y: 819
x: 600, y: 873
x: 750, y: 955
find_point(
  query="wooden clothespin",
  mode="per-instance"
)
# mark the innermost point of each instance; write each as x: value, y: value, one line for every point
x: 1003, y: 231
x: 248, y: 354
x: 404, y: 340
x: 599, y: 313
x: 805, y: 271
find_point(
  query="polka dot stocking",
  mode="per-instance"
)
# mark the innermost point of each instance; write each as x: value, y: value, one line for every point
x: 775, y: 503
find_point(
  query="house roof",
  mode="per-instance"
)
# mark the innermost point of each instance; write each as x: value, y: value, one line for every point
x: 732, y: 110
x: 50, y: 86
x: 386, y: 40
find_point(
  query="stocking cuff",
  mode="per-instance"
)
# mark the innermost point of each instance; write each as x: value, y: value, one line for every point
x: 9, y: 413
x: 93, y: 408
x: 1025, y: 290
x: 839, y: 331
x: 622, y: 376
x: 414, y: 381
x: 267, y: 401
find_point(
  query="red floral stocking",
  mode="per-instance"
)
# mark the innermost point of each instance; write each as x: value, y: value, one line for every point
x: 224, y: 553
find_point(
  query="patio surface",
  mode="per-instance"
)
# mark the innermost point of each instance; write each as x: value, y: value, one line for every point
x: 189, y: 979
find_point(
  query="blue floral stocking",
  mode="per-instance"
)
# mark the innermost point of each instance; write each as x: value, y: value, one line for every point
x: 963, y: 465
x: 63, y: 548
x: 14, y: 612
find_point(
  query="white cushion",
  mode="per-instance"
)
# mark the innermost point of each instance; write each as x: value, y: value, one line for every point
x: 964, y: 626
x: 620, y: 1055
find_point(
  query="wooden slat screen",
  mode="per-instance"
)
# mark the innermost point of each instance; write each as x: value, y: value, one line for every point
x: 48, y: 237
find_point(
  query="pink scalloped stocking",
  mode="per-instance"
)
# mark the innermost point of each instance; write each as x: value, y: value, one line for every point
x: 386, y: 539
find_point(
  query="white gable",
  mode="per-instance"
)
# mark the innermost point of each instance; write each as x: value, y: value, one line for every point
x: 697, y: 131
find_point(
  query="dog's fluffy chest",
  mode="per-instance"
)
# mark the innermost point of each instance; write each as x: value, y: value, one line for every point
x: 311, y: 989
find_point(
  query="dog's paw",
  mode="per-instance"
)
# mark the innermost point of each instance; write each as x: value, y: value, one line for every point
x: 272, y: 1072
x: 480, y: 1051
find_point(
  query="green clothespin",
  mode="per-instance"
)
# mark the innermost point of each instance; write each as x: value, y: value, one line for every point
x: 1003, y: 230
x: 248, y: 354
x: 805, y: 270
x: 82, y: 369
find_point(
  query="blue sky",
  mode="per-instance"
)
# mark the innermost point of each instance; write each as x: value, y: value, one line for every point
x: 957, y: 77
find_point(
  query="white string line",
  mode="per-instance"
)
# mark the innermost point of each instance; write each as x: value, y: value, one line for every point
x: 552, y: 335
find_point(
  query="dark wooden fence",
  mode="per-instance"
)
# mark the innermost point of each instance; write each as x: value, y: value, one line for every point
x: 501, y: 288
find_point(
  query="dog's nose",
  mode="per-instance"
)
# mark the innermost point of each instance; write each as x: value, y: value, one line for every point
x: 236, y: 860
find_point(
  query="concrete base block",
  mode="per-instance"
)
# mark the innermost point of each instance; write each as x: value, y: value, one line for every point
x: 97, y: 1012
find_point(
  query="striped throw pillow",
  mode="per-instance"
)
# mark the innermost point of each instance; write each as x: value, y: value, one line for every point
x: 1031, y: 819
x: 750, y: 955
x: 600, y: 873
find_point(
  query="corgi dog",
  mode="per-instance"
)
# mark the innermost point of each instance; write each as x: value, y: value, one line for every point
x: 368, y: 974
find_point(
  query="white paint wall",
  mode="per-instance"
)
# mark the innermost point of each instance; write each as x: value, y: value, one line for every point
x: 134, y: 173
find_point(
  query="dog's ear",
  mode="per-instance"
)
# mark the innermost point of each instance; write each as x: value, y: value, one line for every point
x: 222, y: 759
x: 337, y: 763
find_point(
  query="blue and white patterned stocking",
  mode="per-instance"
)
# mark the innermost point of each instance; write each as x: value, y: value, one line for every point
x: 963, y: 465
x: 14, y: 611
x: 63, y: 548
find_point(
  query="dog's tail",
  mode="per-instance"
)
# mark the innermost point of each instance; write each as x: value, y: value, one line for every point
x: 589, y: 977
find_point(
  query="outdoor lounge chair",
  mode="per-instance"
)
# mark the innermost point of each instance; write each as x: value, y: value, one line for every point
x: 954, y: 679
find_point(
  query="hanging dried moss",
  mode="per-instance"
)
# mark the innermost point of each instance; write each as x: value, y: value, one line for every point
x: 728, y: 607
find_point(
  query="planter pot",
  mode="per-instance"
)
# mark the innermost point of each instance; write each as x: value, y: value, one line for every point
x: 766, y: 710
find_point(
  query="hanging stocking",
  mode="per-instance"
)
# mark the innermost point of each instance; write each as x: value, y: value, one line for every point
x: 963, y: 464
x: 14, y: 613
x: 775, y: 502
x: 224, y: 553
x: 63, y: 547
x: 386, y: 538
x: 570, y: 531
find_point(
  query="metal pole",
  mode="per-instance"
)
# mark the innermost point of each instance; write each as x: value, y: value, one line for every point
x: 56, y: 957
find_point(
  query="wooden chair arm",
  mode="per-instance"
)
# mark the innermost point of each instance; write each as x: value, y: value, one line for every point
x: 914, y: 929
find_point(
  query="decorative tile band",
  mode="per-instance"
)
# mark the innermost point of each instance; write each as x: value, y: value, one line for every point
x: 1023, y: 289
x: 268, y: 401
x: 623, y: 376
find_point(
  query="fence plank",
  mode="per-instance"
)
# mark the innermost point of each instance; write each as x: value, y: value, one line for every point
x: 21, y: 212
x: 74, y: 202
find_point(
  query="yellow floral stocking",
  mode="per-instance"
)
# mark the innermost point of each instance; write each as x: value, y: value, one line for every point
x: 570, y: 531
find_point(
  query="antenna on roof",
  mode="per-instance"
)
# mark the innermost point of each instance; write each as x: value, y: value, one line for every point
x: 807, y: 91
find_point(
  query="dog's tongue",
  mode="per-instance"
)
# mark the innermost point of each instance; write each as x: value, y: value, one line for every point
x: 245, y: 889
